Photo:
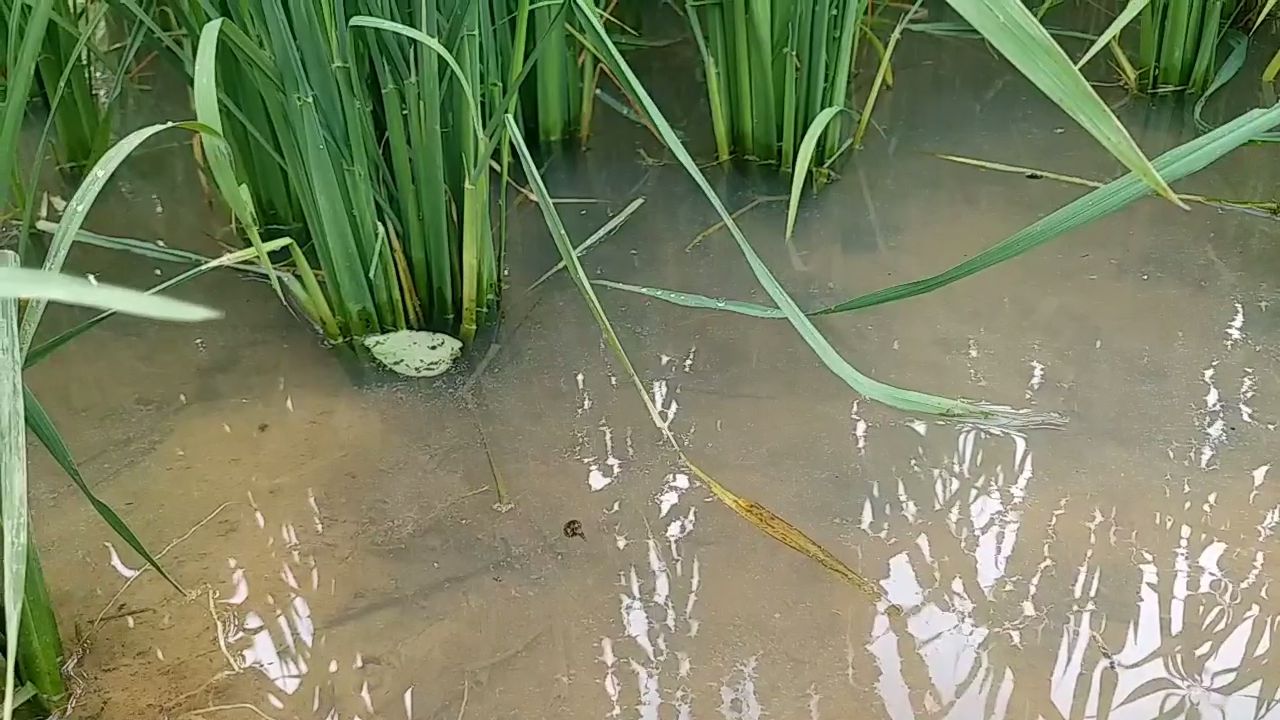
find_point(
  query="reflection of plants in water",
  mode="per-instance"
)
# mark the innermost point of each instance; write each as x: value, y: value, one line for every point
x: 980, y: 599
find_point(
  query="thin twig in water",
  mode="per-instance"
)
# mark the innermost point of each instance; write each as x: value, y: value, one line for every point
x: 466, y: 688
x: 603, y: 232
x: 128, y: 613
x: 1259, y: 208
x: 736, y: 213
x: 102, y: 616
x: 223, y: 708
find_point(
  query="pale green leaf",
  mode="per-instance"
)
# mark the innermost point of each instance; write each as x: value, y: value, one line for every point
x: 1013, y: 30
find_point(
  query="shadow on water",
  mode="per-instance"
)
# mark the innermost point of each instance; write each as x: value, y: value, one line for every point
x: 346, y: 561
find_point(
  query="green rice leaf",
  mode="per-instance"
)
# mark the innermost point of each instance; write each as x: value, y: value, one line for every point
x: 1111, y: 197
x: 903, y: 399
x: 435, y: 46
x: 1230, y: 67
x: 882, y: 73
x: 755, y: 513
x: 216, y: 151
x: 73, y: 218
x: 147, y: 249
x: 20, y: 62
x: 1262, y: 15
x: 232, y: 260
x: 1013, y: 30
x: 41, y: 425
x: 603, y: 232
x: 40, y: 284
x: 13, y: 479
x: 804, y: 162
x: 1126, y: 16
x: 696, y: 301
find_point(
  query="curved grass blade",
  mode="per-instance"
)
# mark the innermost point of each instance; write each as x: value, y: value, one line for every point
x: 804, y: 162
x: 216, y: 151
x: 753, y: 512
x: 605, y: 231
x: 1111, y: 197
x: 1013, y: 30
x: 41, y: 425
x: 468, y: 94
x: 903, y: 399
x: 148, y: 249
x: 78, y: 209
x: 1230, y: 68
x: 29, y: 283
x: 13, y: 479
x: 1179, y: 162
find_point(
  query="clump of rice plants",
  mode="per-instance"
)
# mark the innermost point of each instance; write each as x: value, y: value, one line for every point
x: 357, y: 128
x: 771, y: 67
x: 72, y: 78
x: 366, y: 131
x: 1178, y: 42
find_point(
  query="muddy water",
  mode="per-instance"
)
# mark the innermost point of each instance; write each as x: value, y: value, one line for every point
x: 335, y: 535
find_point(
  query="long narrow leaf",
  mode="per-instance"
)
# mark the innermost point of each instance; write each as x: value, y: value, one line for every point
x: 78, y: 209
x: 753, y: 512
x: 233, y: 260
x: 603, y: 232
x: 1126, y: 16
x: 1111, y: 197
x: 1013, y: 30
x: 1230, y: 67
x: 41, y: 425
x: 804, y: 162
x: 13, y: 479
x: 29, y: 283
x: 903, y: 399
x: 21, y: 70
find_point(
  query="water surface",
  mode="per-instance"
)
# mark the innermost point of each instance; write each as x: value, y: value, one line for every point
x: 335, y: 531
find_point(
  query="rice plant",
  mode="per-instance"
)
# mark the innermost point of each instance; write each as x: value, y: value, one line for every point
x: 1178, y: 43
x: 74, y: 80
x: 771, y: 67
x: 366, y: 130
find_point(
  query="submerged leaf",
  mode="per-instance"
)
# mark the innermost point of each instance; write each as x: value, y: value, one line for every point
x: 754, y: 512
x: 789, y: 535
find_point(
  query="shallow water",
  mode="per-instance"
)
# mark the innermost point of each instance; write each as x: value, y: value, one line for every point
x: 335, y: 534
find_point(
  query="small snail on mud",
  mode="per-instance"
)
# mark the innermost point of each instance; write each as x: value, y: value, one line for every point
x: 573, y: 528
